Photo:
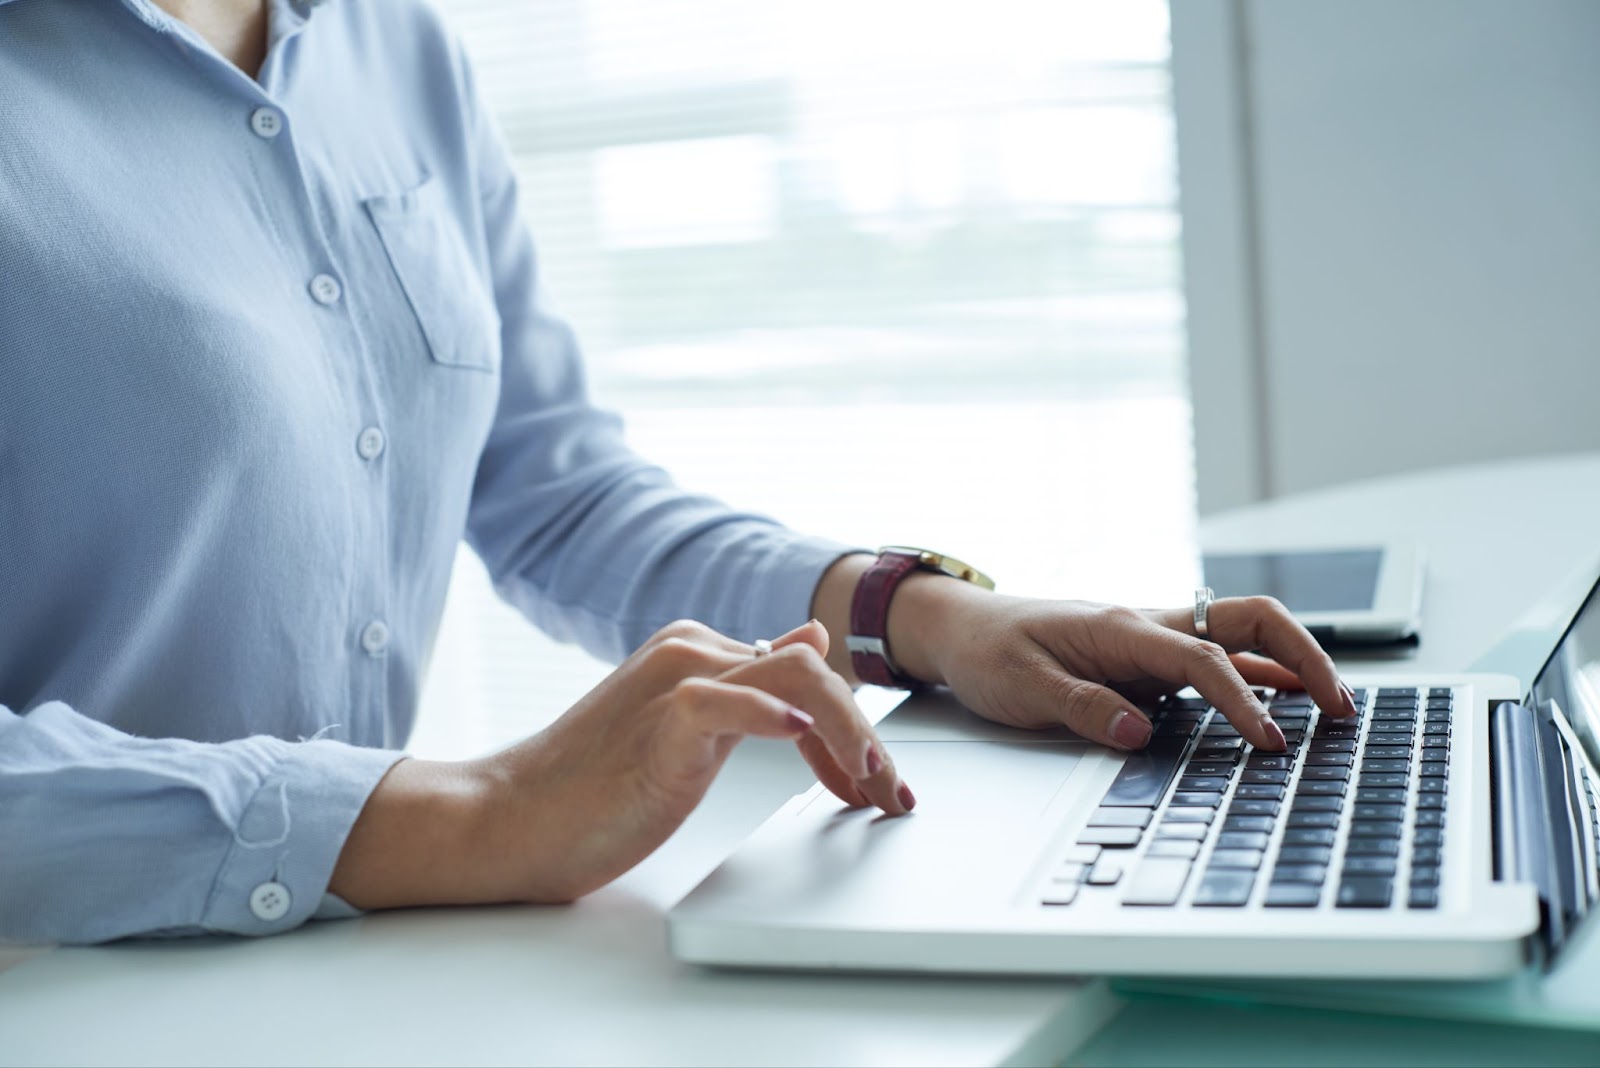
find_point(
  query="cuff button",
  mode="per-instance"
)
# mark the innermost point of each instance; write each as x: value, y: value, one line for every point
x: 270, y: 901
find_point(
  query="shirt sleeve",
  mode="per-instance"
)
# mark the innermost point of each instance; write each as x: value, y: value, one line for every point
x: 104, y: 835
x: 589, y: 541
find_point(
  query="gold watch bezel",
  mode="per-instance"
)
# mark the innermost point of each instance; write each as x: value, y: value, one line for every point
x: 942, y: 563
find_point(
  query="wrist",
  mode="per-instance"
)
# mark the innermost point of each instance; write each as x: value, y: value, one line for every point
x: 925, y: 622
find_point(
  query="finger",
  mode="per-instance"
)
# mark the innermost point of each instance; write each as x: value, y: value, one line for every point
x: 829, y: 773
x: 1050, y: 697
x: 798, y: 674
x: 1243, y: 623
x: 1167, y: 654
x: 1262, y: 671
x: 811, y: 633
x: 710, y: 708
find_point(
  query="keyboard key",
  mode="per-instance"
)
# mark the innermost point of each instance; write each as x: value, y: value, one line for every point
x: 1427, y: 836
x: 1082, y: 854
x: 1293, y: 895
x: 1309, y: 836
x: 1433, y: 785
x: 1313, y: 803
x: 1380, y: 795
x: 1249, y: 823
x: 1144, y: 776
x: 1268, y: 778
x: 1220, y: 767
x: 1433, y: 753
x: 1106, y: 871
x: 1372, y: 847
x: 1114, y: 837
x: 1188, y: 814
x: 1368, y: 764
x: 1397, y: 691
x: 1157, y: 881
x: 1070, y: 873
x: 1191, y: 799
x: 1378, y: 812
x: 1242, y: 840
x: 1438, y: 703
x: 1060, y: 894
x: 1333, y: 745
x: 1428, y: 800
x: 1304, y: 855
x: 1224, y: 888
x: 1386, y: 752
x: 1174, y: 847
x: 1424, y: 876
x: 1260, y: 793
x: 1435, y: 730
x: 1395, y: 729
x: 1319, y: 788
x: 1427, y: 857
x: 1375, y: 829
x: 1192, y: 832
x: 1248, y: 807
x: 1430, y: 818
x: 1393, y: 715
x: 1300, y: 873
x: 1268, y: 762
x: 1301, y: 819
x: 1383, y: 778
x: 1203, y: 782
x: 1325, y: 773
x: 1365, y: 893
x: 1121, y: 817
x: 1369, y: 865
x: 1436, y: 715
x: 1440, y: 691
x: 1329, y: 760
x: 1422, y: 897
x: 1236, y: 858
x: 1218, y: 748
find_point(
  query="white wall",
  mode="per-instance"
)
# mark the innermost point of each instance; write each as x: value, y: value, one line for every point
x: 1392, y: 234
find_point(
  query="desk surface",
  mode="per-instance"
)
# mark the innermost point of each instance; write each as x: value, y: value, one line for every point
x: 1509, y: 547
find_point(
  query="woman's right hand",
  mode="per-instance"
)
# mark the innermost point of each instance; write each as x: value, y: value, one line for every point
x: 578, y: 804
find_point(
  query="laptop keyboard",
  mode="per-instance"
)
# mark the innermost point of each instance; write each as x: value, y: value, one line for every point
x: 1351, y: 816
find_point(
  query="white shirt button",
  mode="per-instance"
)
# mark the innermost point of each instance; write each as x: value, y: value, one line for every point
x: 325, y: 289
x: 266, y: 122
x: 375, y: 637
x: 270, y: 901
x: 370, y: 443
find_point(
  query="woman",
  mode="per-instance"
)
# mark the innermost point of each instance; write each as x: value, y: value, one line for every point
x: 272, y: 342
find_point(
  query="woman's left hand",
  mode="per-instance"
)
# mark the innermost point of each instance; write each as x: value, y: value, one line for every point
x: 1038, y: 663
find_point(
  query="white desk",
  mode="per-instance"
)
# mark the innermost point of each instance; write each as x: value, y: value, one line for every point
x: 1508, y: 544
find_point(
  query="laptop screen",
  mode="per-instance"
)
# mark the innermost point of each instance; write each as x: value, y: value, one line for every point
x: 1571, y: 677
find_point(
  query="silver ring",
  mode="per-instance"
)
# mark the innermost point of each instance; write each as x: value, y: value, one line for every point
x: 1202, y: 603
x: 763, y: 648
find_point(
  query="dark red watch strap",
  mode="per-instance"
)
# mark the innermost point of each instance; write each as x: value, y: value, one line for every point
x: 869, y: 620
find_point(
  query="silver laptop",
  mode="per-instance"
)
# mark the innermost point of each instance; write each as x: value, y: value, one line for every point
x: 1449, y: 831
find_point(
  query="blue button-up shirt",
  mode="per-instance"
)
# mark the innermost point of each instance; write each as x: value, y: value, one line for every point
x: 268, y: 350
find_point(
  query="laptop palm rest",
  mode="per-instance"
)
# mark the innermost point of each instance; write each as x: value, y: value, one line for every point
x: 983, y: 811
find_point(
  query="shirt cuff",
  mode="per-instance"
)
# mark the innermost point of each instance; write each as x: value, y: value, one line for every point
x: 290, y: 836
x: 786, y: 583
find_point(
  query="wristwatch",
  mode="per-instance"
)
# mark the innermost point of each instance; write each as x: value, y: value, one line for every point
x: 868, y: 640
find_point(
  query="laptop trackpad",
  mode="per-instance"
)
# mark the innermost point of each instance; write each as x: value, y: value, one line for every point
x: 980, y: 817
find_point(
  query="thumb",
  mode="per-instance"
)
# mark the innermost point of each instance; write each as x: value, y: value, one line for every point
x: 1103, y: 715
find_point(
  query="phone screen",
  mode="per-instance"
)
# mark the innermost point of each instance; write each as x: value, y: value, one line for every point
x: 1342, y: 580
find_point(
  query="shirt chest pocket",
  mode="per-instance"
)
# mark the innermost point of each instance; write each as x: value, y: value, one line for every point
x: 442, y: 282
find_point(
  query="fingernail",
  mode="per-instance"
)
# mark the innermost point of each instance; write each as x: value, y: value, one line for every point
x: 874, y: 761
x: 1349, y: 701
x: 798, y: 720
x: 1275, y: 734
x: 908, y: 800
x: 1130, y: 730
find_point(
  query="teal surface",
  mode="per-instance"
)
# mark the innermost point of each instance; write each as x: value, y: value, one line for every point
x: 1156, y: 1030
